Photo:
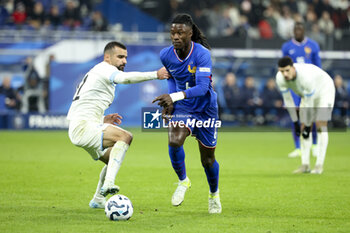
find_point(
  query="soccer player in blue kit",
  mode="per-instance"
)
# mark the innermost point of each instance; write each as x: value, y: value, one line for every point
x: 191, y: 97
x: 302, y: 50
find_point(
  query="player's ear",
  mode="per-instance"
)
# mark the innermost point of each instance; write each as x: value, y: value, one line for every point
x: 106, y: 57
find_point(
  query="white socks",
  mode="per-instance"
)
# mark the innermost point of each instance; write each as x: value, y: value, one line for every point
x: 305, y: 150
x: 323, y: 143
x: 116, y: 158
x: 100, y: 183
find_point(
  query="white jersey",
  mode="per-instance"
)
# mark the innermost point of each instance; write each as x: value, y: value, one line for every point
x: 94, y: 94
x: 312, y: 84
x: 310, y: 81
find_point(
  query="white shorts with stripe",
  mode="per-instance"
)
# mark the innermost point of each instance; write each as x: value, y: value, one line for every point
x: 322, y: 107
x: 89, y: 136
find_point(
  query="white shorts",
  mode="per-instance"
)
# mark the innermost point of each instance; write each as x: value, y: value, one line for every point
x: 89, y: 136
x: 322, y: 107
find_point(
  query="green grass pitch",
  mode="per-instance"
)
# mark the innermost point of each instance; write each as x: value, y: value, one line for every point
x: 46, y: 184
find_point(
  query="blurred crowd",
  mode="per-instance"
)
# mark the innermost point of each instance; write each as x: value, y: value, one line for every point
x: 51, y: 14
x: 260, y: 18
x: 247, y: 100
x: 30, y: 94
x: 217, y: 18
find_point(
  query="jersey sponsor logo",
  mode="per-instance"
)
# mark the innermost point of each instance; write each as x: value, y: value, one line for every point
x: 204, y: 69
x: 192, y: 70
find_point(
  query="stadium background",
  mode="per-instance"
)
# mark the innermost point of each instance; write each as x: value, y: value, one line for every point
x: 46, y: 182
x: 246, y: 48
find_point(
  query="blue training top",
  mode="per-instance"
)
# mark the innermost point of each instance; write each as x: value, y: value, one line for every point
x: 191, y: 75
x: 305, y: 52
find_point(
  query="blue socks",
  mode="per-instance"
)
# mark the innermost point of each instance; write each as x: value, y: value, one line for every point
x: 314, y: 134
x: 296, y: 139
x: 177, y: 157
x: 213, y: 176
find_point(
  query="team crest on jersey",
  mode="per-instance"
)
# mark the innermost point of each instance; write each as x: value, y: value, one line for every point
x: 307, y: 50
x: 192, y: 70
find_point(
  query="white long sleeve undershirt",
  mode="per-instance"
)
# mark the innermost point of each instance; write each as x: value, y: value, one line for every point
x: 134, y: 77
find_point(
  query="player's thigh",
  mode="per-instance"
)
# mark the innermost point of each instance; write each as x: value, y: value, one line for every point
x: 177, y: 135
x: 177, y: 131
x: 113, y: 133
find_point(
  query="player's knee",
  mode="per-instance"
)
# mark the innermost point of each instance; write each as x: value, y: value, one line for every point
x: 127, y: 137
x: 176, y: 140
x: 177, y: 136
x: 207, y: 162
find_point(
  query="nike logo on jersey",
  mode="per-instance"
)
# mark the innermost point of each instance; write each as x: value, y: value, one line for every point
x: 172, y: 71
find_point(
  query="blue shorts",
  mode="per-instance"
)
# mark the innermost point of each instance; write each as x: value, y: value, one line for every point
x: 296, y: 98
x: 205, y: 133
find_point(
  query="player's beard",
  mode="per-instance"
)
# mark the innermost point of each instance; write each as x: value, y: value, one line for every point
x: 121, y: 67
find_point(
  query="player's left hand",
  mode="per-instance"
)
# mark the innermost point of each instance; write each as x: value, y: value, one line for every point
x: 162, y: 73
x: 306, y: 132
x: 164, y: 100
x: 114, y: 119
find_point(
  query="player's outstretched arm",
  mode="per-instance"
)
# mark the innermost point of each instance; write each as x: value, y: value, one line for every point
x: 136, y: 77
x: 162, y: 73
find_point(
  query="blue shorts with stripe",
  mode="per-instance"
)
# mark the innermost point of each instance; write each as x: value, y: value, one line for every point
x: 205, y: 132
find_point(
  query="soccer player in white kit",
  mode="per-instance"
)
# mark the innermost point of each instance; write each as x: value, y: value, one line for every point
x: 98, y: 134
x: 317, y: 92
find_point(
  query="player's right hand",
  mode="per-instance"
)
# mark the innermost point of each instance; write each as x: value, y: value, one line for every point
x: 297, y: 128
x: 162, y: 73
x: 167, y: 112
x: 114, y: 119
x: 164, y: 100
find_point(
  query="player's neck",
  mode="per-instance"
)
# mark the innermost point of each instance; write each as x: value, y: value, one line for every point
x: 300, y: 40
x: 183, y: 52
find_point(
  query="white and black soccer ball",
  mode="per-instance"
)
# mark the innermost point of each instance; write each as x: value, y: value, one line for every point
x: 119, y: 207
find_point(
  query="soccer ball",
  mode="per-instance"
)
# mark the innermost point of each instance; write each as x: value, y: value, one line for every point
x: 119, y: 207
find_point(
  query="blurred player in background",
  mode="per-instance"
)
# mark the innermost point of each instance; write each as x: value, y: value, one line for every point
x: 302, y: 50
x: 99, y: 135
x: 191, y: 96
x: 317, y: 92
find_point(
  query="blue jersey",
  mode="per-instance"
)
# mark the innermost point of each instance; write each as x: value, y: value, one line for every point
x: 191, y: 75
x: 305, y: 52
